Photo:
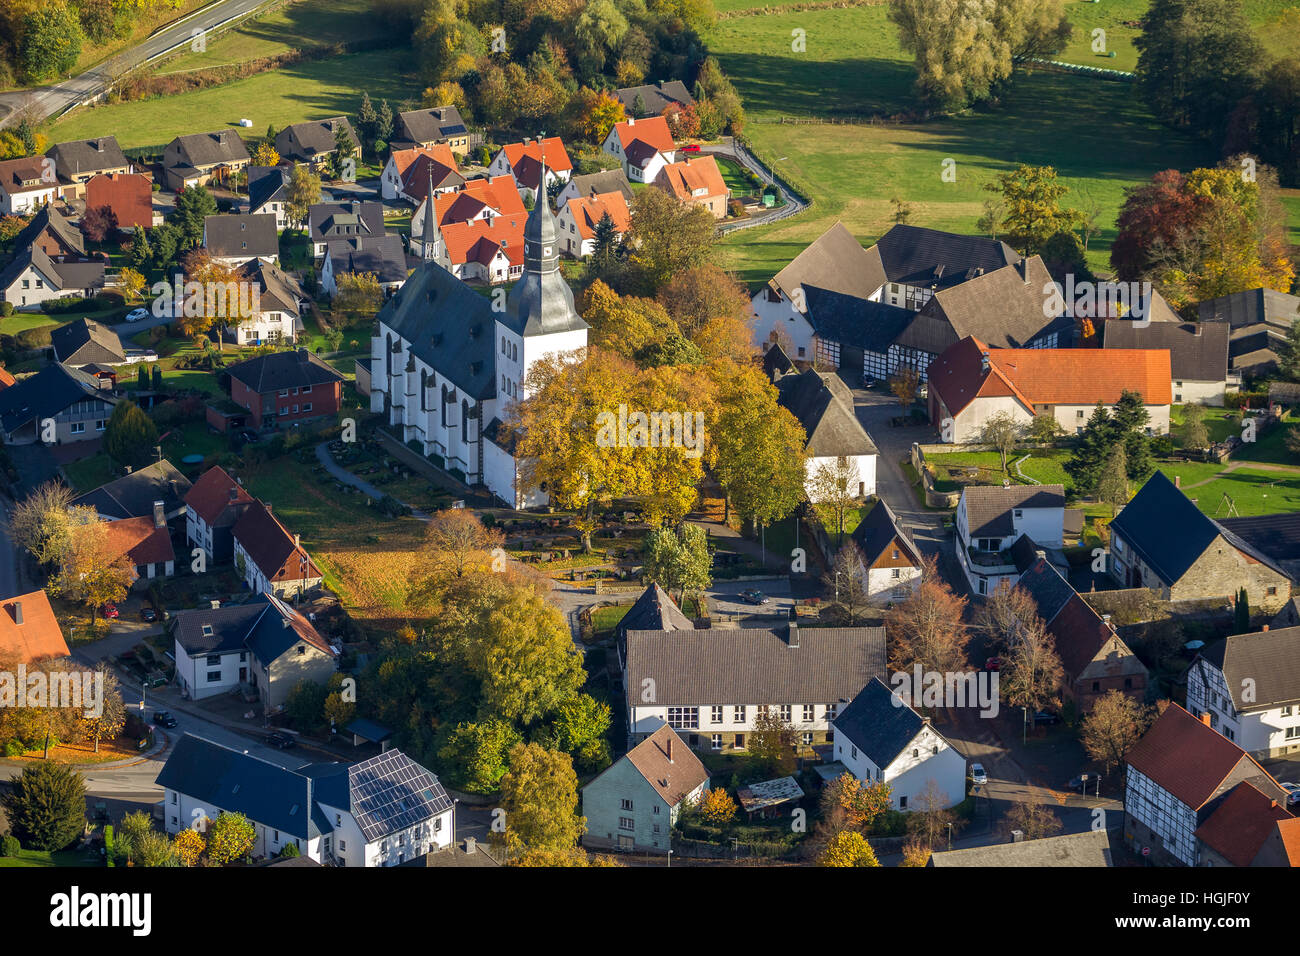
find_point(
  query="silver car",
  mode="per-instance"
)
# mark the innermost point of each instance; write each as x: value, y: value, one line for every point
x: 977, y: 774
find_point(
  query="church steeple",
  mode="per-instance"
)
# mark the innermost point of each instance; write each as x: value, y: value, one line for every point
x: 541, y: 302
x: 541, y: 242
x: 429, y: 225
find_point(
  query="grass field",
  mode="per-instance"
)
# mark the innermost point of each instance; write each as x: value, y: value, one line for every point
x: 854, y: 67
x: 293, y: 94
x: 48, y: 858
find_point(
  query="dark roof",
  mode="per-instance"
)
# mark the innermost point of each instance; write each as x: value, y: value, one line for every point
x: 831, y: 664
x: 383, y: 255
x: 1277, y: 536
x: 457, y: 855
x: 917, y: 256
x: 217, y: 498
x: 879, y: 530
x: 368, y: 730
x: 81, y: 156
x: 426, y: 126
x: 279, y: 290
x: 304, y: 142
x: 229, y: 780
x: 835, y: 261
x: 241, y: 236
x: 385, y: 794
x: 1265, y: 663
x: 265, y: 625
x: 1089, y: 848
x: 989, y: 507
x: 1043, y: 583
x: 656, y: 97
x: 823, y: 405
x: 133, y: 495
x: 210, y: 149
x: 776, y: 361
x: 1252, y: 307
x: 51, y: 220
x: 84, y: 342
x: 605, y: 181
x: 267, y: 184
x: 879, y: 723
x: 47, y: 393
x: 1169, y: 532
x: 654, y: 610
x: 851, y: 320
x: 1239, y: 825
x: 1198, y: 352
x: 342, y: 220
x: 279, y: 370
x: 270, y: 546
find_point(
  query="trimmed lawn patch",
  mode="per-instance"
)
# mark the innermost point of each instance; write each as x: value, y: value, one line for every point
x: 49, y: 858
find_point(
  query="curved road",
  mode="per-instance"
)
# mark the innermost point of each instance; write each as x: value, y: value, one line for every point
x: 792, y: 203
x: 51, y: 100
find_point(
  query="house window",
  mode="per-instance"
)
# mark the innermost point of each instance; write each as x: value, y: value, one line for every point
x: 1096, y: 687
x: 214, y: 660
x: 716, y: 714
x: 783, y: 710
x: 715, y: 741
x: 830, y: 711
x: 684, y: 718
x: 284, y: 393
x: 656, y: 828
x: 740, y: 713
x: 100, y: 425
x: 807, y: 739
x: 656, y: 808
x: 626, y: 823
x: 1079, y: 413
x: 307, y: 407
x: 902, y: 803
x: 305, y: 389
x: 808, y: 712
x: 625, y: 804
x: 853, y: 752
x: 214, y: 677
x: 897, y: 573
x: 1286, y: 711
x: 78, y: 428
x: 1272, y: 591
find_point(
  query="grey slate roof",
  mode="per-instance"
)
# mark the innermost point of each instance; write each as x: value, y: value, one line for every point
x: 267, y: 184
x: 1252, y: 307
x: 343, y: 220
x: 290, y: 369
x: 879, y: 530
x: 654, y: 610
x: 241, y: 236
x: 49, y: 218
x: 47, y: 393
x: 1169, y: 532
x: 84, y: 342
x: 878, y: 723
x: 210, y: 149
x: 305, y: 142
x: 1044, y: 584
x: 824, y: 407
x: 1089, y: 848
x: 279, y: 290
x: 656, y: 96
x: 133, y: 495
x: 541, y: 302
x: 776, y: 362
x: 383, y: 255
x: 606, y: 181
x: 1276, y: 535
x: 989, y: 507
x: 1267, y: 662
x: 425, y: 126
x: 693, y: 668
x: 265, y: 625
x: 834, y: 261
x: 851, y: 320
x: 1198, y: 352
x: 82, y: 156
x: 385, y: 794
x: 930, y: 258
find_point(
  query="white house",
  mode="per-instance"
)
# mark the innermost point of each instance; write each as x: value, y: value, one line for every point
x: 212, y: 506
x: 408, y: 171
x: 26, y: 184
x: 445, y: 364
x: 1249, y: 687
x: 644, y: 147
x: 279, y: 306
x: 32, y: 277
x: 1198, y: 354
x: 990, y: 519
x: 269, y: 558
x: 580, y: 216
x: 378, y: 812
x: 891, y: 561
x: 533, y: 162
x: 880, y: 739
x: 823, y: 405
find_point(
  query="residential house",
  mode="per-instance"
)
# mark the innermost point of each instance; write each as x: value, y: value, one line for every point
x: 238, y: 240
x: 135, y: 494
x: 852, y: 334
x: 711, y: 685
x: 53, y: 233
x: 280, y: 299
x: 268, y: 194
x: 651, y: 99
x: 1089, y: 848
x: 532, y: 164
x: 605, y: 181
x: 1094, y: 659
x: 880, y: 738
x: 483, y: 250
x: 1259, y: 320
x: 1276, y: 536
x: 329, y: 221
x: 478, y: 200
x: 1198, y: 354
x: 643, y: 146
x: 408, y: 172
x: 579, y: 218
x: 971, y: 383
x: 383, y: 256
x: 823, y: 405
x: 197, y: 159
x: 990, y: 519
x: 634, y: 804
x: 378, y: 812
x: 439, y: 126
x: 264, y: 644
x: 56, y: 406
x: 32, y: 278
x: 468, y: 853
x: 1249, y: 829
x: 145, y: 542
x: 78, y: 161
x: 1178, y: 775
x: 695, y: 181
x: 1249, y: 686
x: 891, y: 562
x: 29, y: 631
x: 26, y: 184
x: 285, y: 388
x: 1163, y: 541
x: 128, y: 196
x: 445, y: 363
x: 85, y: 342
x: 212, y: 507
x: 654, y: 610
x: 268, y: 557
x: 313, y: 143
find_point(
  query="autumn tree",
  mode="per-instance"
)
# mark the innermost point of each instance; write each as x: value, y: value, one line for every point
x: 905, y: 384
x: 1112, y: 482
x: 1004, y: 613
x: 540, y: 799
x: 833, y: 490
x: 929, y: 819
x: 666, y: 238
x: 846, y: 583
x: 189, y: 845
x: 1004, y: 433
x: 1031, y: 675
x: 928, y: 627
x: 1032, y: 202
x: 1116, y: 723
x: 704, y: 293
x: 108, y: 722
x: 40, y: 523
x: 848, y: 803
x: 1033, y: 820
x: 915, y: 855
x: 771, y: 745
x: 358, y: 293
x: 581, y: 728
x: 265, y: 155
x: 302, y: 193
x: 455, y: 541
x: 717, y: 807
x: 848, y: 848
x: 230, y: 837
x: 217, y: 301
x: 600, y: 112
x: 678, y: 559
x: 1195, y: 435
x: 91, y: 570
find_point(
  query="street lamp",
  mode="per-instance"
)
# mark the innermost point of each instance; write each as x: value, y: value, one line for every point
x: 950, y: 836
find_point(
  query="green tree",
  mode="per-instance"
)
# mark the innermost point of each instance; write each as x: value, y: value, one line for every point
x: 540, y: 798
x: 1195, y: 434
x: 131, y: 436
x: 230, y: 838
x: 666, y: 238
x: 581, y: 728
x: 141, y: 253
x: 771, y: 746
x: 1033, y: 213
x: 51, y: 41
x: 46, y: 806
x: 1003, y: 432
x: 833, y: 491
x: 1241, y: 612
x: 1112, y: 482
x: 305, y: 705
x: 478, y: 753
x: 302, y: 193
x: 678, y: 560
x: 193, y: 206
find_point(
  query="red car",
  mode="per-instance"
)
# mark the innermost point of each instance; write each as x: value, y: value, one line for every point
x: 110, y: 611
x: 691, y: 148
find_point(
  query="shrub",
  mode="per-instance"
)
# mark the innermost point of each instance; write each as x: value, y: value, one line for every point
x: 6, y: 308
x: 9, y: 845
x: 34, y: 338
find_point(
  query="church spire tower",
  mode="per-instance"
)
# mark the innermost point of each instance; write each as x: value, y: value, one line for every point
x: 541, y: 302
x: 429, y: 222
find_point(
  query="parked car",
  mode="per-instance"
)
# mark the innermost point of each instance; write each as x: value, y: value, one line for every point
x: 753, y: 596
x: 1044, y: 717
x: 691, y: 148
x: 163, y: 718
x: 280, y: 741
x: 110, y: 611
x: 148, y: 614
x: 977, y: 774
x: 135, y: 315
x: 1292, y: 793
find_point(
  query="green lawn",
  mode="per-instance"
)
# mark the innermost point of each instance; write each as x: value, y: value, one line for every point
x: 853, y: 66
x: 48, y: 858
x: 89, y: 473
x: 1219, y: 422
x: 1047, y: 467
x: 303, y: 91
x: 1253, y: 493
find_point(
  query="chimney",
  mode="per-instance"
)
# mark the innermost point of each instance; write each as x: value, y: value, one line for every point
x: 159, y: 515
x: 297, y: 539
x: 1205, y: 718
x: 267, y: 505
x: 1265, y: 627
x: 16, y: 609
x: 984, y: 361
x: 1178, y: 481
x: 1017, y: 836
x: 215, y: 604
x: 631, y: 121
x: 234, y: 493
x: 792, y: 634
x: 471, y: 845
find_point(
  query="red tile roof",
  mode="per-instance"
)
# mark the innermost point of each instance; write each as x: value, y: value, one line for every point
x: 1289, y: 832
x: 403, y: 158
x: 587, y: 212
x: 129, y: 195
x: 271, y: 546
x: 140, y: 540
x: 24, y: 175
x: 479, y: 242
x: 213, y: 493
x: 673, y: 777
x: 1080, y: 634
x: 497, y: 193
x: 686, y: 177
x: 6, y: 379
x: 557, y: 158
x: 1241, y: 823
x: 38, y: 637
x: 653, y: 131
x: 1186, y: 757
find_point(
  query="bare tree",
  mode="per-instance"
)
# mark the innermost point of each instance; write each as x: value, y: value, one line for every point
x: 1034, y: 820
x: 1116, y: 723
x: 1032, y: 674
x: 1003, y: 613
x: 1004, y: 433
x: 928, y: 628
x: 833, y: 490
x: 847, y: 582
x: 929, y: 819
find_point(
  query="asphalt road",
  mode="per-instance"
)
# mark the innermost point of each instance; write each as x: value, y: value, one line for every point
x: 49, y: 100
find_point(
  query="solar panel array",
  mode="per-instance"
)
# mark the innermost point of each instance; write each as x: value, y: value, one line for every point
x: 391, y: 792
